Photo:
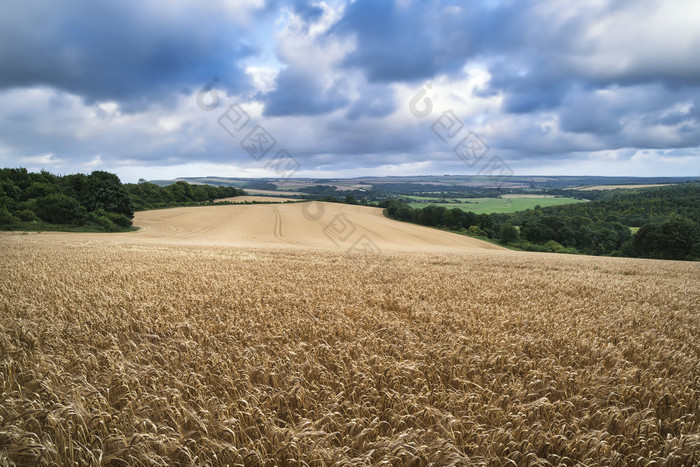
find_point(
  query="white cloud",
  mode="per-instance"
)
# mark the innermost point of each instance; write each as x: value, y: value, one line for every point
x: 298, y: 47
x: 263, y: 77
x: 95, y: 163
x: 239, y: 11
x: 649, y: 37
x: 49, y: 159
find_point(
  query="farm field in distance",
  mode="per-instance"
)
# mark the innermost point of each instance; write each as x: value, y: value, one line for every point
x: 619, y: 187
x: 182, y: 344
x: 273, y: 193
x: 506, y: 204
x: 258, y: 199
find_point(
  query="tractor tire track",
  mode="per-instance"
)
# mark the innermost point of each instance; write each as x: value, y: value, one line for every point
x: 278, y: 228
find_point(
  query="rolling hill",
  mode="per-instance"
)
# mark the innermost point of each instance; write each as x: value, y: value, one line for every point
x: 315, y: 224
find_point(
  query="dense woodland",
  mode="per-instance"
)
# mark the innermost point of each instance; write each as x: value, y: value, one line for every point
x: 95, y: 202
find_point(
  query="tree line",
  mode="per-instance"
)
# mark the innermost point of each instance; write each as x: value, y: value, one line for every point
x: 145, y: 195
x: 98, y: 201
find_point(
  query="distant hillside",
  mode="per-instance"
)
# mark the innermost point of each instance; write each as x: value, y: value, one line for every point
x: 436, y: 182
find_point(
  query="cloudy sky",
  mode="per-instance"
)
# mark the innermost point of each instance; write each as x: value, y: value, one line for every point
x: 346, y: 88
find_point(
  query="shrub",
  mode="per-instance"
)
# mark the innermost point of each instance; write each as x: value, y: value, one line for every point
x: 475, y: 230
x: 553, y: 246
x: 120, y: 219
x: 528, y: 246
x: 109, y: 221
x: 59, y: 209
x: 106, y: 224
x: 26, y: 215
x: 5, y: 216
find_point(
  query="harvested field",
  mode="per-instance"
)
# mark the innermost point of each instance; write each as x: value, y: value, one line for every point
x: 119, y: 349
x: 319, y: 225
x: 273, y: 193
x: 257, y: 199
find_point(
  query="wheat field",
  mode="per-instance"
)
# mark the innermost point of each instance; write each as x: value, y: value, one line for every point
x: 120, y: 350
x: 313, y: 224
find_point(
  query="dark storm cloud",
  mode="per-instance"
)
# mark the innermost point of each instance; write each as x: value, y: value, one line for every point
x: 298, y: 94
x: 397, y: 43
x: 536, y: 52
x: 394, y: 44
x: 375, y: 102
x: 132, y: 52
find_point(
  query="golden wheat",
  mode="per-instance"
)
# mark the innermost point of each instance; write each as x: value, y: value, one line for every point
x: 138, y: 354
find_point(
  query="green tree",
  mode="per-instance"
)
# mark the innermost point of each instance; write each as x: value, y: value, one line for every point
x: 5, y: 216
x: 433, y: 216
x: 554, y: 246
x: 9, y: 189
x: 26, y: 215
x: 474, y: 229
x: 484, y: 221
x: 181, y: 192
x: 75, y: 185
x: 508, y: 234
x: 39, y: 190
x: 59, y: 209
x: 105, y: 191
x: 200, y: 193
x: 455, y: 219
x: 536, y: 232
x: 673, y: 239
x: 146, y: 195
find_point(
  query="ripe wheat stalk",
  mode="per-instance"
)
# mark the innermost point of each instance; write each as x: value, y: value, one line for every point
x: 145, y: 355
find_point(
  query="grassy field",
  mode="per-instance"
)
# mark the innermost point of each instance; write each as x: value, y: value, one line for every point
x: 495, y: 205
x: 128, y: 352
